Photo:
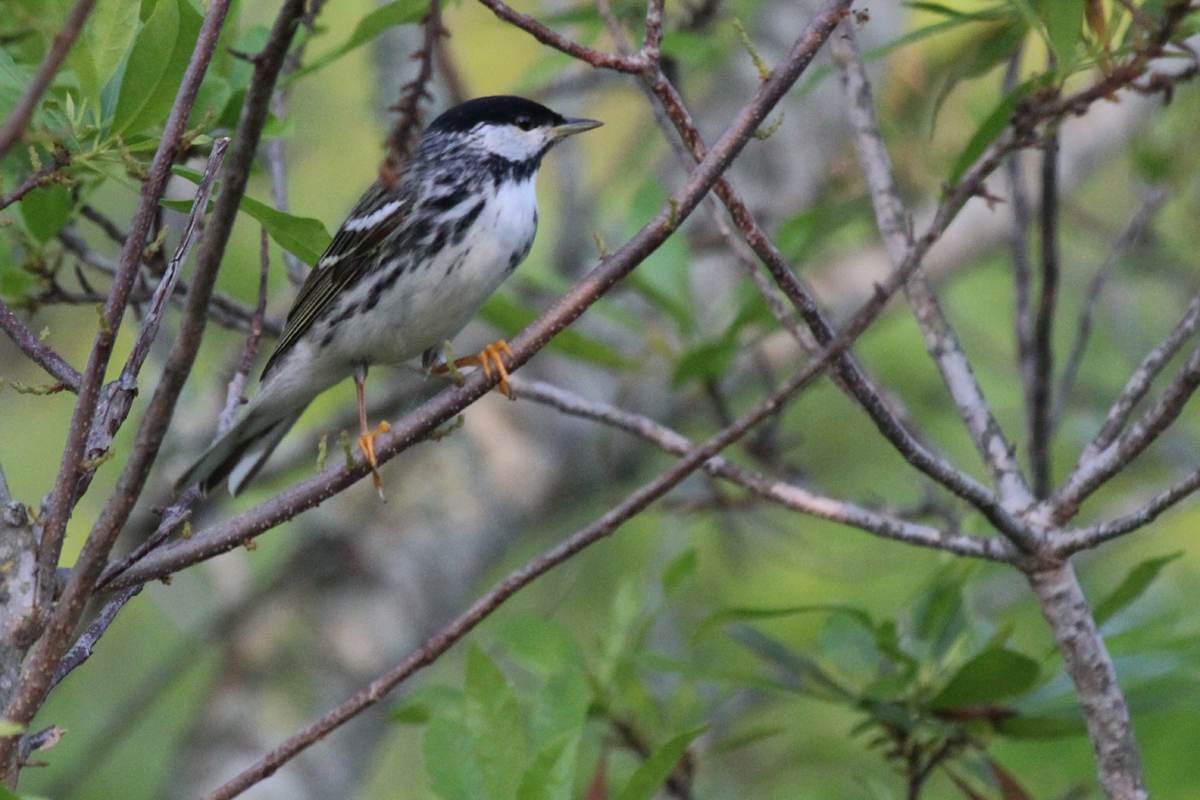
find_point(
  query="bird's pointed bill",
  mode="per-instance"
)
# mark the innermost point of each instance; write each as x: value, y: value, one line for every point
x: 574, y: 126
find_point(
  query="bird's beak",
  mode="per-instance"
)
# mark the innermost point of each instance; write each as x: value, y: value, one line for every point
x: 574, y: 126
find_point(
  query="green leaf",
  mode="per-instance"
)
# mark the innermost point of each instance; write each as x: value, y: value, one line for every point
x: 681, y: 570
x: 110, y: 34
x: 510, y: 316
x: 1134, y: 585
x: 10, y: 728
x: 493, y: 719
x: 1064, y: 30
x: 45, y: 210
x: 540, y: 645
x: 706, y: 362
x: 995, y: 674
x: 399, y: 12
x: 654, y: 771
x: 1043, y: 726
x: 939, y: 616
x: 13, y: 79
x: 304, y: 237
x: 422, y: 705
x: 740, y: 614
x: 551, y: 775
x: 147, y: 67
x: 453, y: 772
x: 805, y: 675
x: 996, y: 122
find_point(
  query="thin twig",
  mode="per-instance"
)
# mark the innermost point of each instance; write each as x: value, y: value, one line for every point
x: 43, y: 176
x: 276, y: 148
x: 38, y: 351
x: 786, y: 494
x: 1042, y: 389
x: 631, y: 64
x: 117, y: 397
x: 1070, y: 542
x: 233, y: 395
x: 1125, y: 242
x: 940, y: 339
x: 1095, y: 471
x: 47, y: 653
x: 19, y: 117
x: 222, y: 309
x: 1139, y: 383
x: 405, y: 133
x: 81, y: 651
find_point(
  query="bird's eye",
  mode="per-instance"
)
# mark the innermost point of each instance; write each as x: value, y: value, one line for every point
x: 525, y: 123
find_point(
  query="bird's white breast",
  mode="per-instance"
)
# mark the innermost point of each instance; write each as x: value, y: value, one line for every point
x: 434, y: 300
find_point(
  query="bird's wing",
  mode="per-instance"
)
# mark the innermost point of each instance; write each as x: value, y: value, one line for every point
x: 377, y: 214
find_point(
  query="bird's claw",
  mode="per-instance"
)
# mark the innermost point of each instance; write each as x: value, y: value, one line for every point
x: 366, y: 443
x: 489, y: 358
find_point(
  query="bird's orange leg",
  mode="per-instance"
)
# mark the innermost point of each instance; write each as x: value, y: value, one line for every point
x: 487, y: 358
x: 366, y: 441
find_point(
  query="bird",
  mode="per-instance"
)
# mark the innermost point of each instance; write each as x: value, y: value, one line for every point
x: 415, y: 259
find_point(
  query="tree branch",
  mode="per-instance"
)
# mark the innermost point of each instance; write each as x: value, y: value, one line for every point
x: 788, y: 495
x: 1041, y: 390
x: 1125, y: 242
x: 940, y: 339
x: 62, y: 498
x: 1091, y: 669
x: 38, y: 352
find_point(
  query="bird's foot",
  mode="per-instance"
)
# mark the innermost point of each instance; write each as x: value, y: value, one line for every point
x: 366, y: 443
x: 488, y: 358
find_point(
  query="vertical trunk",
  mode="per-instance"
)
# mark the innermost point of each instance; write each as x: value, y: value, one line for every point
x: 1087, y: 661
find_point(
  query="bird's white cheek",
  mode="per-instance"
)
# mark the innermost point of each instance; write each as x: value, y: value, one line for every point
x: 512, y: 143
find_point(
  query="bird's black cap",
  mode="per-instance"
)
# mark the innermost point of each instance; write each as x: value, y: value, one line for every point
x: 498, y: 110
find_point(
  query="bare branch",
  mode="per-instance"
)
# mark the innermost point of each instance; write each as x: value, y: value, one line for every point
x: 1070, y: 542
x: 233, y: 395
x: 406, y: 131
x: 1097, y: 469
x: 81, y: 651
x: 1041, y: 389
x: 14, y: 126
x: 42, y: 177
x: 1128, y: 238
x: 850, y: 373
x: 1091, y: 669
x: 596, y: 58
x: 38, y: 352
x: 63, y: 497
x: 940, y: 339
x: 44, y: 660
x: 786, y: 494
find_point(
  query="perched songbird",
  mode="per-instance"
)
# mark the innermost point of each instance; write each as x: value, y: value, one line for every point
x: 404, y: 274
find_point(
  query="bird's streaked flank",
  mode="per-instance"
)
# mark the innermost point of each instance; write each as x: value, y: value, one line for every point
x: 405, y: 273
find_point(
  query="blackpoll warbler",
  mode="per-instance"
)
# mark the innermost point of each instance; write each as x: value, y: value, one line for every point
x: 405, y: 273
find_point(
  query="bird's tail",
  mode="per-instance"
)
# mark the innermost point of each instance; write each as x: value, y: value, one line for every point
x: 241, y: 452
